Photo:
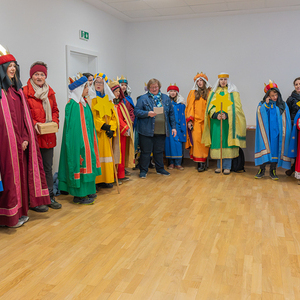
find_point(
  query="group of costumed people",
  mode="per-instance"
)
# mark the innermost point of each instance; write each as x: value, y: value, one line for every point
x: 103, y: 126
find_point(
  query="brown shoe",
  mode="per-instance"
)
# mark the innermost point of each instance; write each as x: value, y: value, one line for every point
x: 171, y: 167
x: 226, y: 172
x: 179, y: 168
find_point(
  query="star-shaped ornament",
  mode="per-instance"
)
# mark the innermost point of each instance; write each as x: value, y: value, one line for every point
x: 222, y: 99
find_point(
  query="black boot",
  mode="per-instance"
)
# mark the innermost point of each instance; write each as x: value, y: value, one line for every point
x: 291, y: 171
x: 201, y: 167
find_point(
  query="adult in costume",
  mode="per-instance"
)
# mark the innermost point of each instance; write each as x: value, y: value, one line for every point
x: 195, y: 112
x: 79, y: 157
x: 153, y: 127
x: 107, y: 127
x: 126, y: 131
x: 174, y: 146
x: 21, y: 164
x: 273, y: 131
x: 90, y: 78
x: 233, y: 123
x: 41, y: 99
x: 293, y: 103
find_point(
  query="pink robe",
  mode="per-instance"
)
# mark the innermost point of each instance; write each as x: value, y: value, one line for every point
x: 22, y: 172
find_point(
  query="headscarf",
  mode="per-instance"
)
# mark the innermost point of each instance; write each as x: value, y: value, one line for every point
x: 107, y: 90
x: 279, y: 103
x: 76, y: 90
x: 5, y: 81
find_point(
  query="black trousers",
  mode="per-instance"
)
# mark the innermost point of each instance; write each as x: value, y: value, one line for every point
x: 47, y: 156
x: 155, y: 144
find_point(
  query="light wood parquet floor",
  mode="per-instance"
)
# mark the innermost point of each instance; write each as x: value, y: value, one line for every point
x: 187, y: 236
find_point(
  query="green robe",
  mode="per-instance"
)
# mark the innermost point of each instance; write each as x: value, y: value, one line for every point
x: 79, y: 162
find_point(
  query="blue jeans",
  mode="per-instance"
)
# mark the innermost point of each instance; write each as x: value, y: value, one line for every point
x: 226, y: 163
x: 155, y: 144
x: 175, y: 161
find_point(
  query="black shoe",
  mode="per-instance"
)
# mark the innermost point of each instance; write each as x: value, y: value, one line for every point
x: 105, y: 185
x: 201, y: 167
x: 273, y: 174
x: 260, y: 174
x: 92, y: 196
x: 124, y: 179
x: 83, y: 200
x: 40, y: 208
x: 54, y: 204
x: 127, y: 173
x: 163, y: 172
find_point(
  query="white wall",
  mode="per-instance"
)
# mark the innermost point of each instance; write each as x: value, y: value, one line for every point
x: 40, y: 30
x: 252, y: 48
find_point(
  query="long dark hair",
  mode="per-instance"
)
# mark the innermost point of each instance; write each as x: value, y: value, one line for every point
x: 201, y: 92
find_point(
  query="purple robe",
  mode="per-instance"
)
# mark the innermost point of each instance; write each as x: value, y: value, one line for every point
x: 22, y: 172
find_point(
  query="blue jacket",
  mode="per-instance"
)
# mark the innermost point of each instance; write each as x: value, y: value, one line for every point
x: 145, y: 124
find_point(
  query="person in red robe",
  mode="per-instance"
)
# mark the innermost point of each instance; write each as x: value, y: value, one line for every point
x: 21, y: 165
x: 126, y: 131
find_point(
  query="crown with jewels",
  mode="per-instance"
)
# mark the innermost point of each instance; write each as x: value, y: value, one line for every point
x: 271, y: 85
x: 122, y: 79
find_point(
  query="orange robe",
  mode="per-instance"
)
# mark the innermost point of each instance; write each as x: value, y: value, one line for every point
x: 195, y: 112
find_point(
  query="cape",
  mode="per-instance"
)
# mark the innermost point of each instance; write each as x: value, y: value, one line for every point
x: 79, y: 157
x: 262, y: 136
x: 292, y: 152
x: 11, y: 168
x: 173, y: 145
x: 236, y: 136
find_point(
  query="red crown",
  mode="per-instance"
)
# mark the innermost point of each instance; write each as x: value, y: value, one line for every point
x: 271, y: 85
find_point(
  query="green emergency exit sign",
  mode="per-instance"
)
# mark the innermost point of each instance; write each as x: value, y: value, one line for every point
x: 83, y: 35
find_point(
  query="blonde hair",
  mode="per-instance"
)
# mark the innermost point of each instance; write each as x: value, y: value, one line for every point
x: 153, y: 81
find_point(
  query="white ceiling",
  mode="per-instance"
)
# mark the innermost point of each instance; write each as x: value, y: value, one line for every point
x: 149, y: 10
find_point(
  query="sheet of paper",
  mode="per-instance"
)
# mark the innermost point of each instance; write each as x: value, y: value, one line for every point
x: 158, y: 110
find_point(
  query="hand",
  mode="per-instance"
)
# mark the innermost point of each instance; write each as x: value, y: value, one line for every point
x: 151, y: 114
x: 128, y: 132
x: 24, y: 145
x: 174, y: 132
x: 36, y: 128
x: 105, y: 127
x: 224, y: 117
x: 268, y: 100
x: 219, y: 117
x: 190, y: 125
x: 109, y: 133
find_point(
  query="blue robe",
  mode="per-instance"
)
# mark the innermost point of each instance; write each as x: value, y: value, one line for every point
x: 294, y: 138
x: 129, y: 99
x: 272, y: 142
x: 173, y: 145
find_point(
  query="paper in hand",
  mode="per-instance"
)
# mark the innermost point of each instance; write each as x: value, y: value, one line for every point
x: 158, y: 110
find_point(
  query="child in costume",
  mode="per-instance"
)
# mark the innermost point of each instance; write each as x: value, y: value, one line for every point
x: 127, y: 99
x: 107, y: 127
x: 79, y: 157
x: 174, y: 146
x: 233, y: 123
x: 126, y: 131
x: 195, y: 112
x: 273, y: 131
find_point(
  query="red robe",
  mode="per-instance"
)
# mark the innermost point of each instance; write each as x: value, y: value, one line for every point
x: 22, y: 172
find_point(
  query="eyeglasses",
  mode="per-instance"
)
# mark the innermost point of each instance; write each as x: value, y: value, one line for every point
x: 100, y: 83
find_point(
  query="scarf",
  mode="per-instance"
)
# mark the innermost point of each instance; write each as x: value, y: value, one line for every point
x: 296, y: 96
x: 157, y: 99
x: 42, y: 94
x: 100, y: 95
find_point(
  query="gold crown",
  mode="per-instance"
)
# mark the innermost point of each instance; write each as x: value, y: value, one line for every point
x: 113, y: 83
x: 74, y: 78
x: 3, y: 51
x: 203, y: 75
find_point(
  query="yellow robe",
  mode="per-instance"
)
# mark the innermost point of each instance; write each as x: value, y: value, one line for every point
x: 102, y: 108
x: 195, y: 112
x: 235, y: 135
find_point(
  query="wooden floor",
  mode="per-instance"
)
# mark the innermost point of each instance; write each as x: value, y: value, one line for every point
x: 187, y: 236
